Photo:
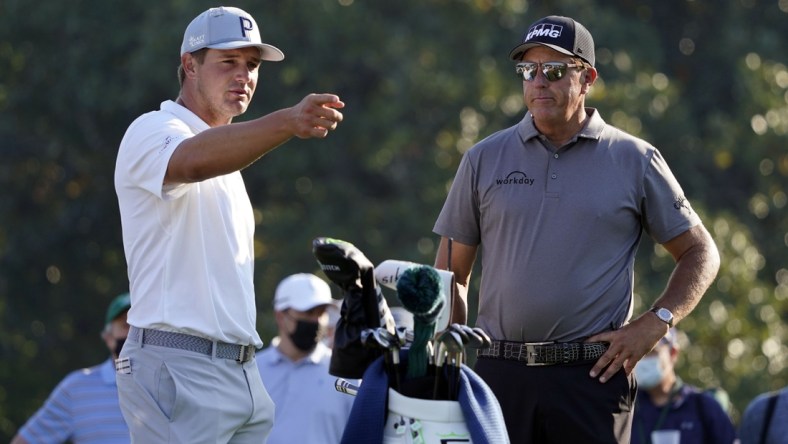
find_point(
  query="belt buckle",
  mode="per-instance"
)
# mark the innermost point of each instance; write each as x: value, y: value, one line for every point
x: 245, y: 353
x: 531, y: 354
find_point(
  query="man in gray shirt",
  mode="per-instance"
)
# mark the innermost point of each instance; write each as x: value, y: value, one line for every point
x: 556, y: 206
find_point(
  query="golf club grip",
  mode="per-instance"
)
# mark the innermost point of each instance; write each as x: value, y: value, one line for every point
x: 346, y: 387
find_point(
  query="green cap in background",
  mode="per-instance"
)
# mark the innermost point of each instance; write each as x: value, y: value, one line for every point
x: 117, y: 307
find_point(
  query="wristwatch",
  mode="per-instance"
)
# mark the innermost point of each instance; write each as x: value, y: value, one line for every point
x: 664, y: 315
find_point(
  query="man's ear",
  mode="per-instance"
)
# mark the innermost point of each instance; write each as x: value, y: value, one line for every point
x: 279, y: 317
x: 189, y: 63
x: 589, y: 77
x: 674, y: 354
x: 106, y: 336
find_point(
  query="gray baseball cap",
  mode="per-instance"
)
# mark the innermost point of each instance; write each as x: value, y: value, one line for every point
x: 227, y: 27
x: 562, y: 34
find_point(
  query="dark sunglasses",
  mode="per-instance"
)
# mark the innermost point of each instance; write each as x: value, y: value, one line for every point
x: 553, y: 71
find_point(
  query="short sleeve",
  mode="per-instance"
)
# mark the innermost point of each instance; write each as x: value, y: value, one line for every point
x: 459, y: 218
x: 666, y: 211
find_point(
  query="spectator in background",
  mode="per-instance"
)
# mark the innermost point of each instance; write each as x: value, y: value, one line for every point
x: 295, y: 370
x: 84, y: 408
x: 668, y: 410
x: 765, y: 420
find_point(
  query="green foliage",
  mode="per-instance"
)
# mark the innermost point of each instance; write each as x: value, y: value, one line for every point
x: 423, y: 80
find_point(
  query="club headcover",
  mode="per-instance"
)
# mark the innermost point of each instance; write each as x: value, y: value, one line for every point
x: 363, y: 305
x: 389, y: 271
x: 341, y: 261
x: 419, y: 290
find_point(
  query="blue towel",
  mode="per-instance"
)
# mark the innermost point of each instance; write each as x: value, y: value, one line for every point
x: 479, y: 406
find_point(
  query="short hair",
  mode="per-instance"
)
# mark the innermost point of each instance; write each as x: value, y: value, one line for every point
x: 581, y: 62
x: 199, y: 55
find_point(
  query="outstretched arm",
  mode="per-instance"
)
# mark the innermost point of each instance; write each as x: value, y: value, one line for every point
x: 228, y: 148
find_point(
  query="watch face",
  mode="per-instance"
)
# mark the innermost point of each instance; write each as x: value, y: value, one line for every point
x: 665, y: 315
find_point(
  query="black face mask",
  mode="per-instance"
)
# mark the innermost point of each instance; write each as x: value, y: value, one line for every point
x: 306, y: 335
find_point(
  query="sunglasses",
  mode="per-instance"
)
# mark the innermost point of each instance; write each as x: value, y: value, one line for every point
x: 553, y: 71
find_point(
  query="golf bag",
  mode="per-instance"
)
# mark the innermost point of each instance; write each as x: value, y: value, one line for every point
x: 381, y: 415
x: 432, y: 406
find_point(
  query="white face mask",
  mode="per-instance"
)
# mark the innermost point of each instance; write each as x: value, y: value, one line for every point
x: 649, y: 372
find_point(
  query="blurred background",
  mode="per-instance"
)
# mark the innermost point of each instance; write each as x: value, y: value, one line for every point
x: 704, y: 81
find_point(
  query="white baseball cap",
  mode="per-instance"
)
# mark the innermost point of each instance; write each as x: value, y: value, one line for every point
x: 301, y: 292
x: 227, y: 27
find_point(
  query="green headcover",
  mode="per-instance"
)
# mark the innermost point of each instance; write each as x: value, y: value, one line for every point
x: 419, y: 290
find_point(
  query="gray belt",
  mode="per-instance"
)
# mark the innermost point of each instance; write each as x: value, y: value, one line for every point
x: 544, y: 353
x: 182, y: 341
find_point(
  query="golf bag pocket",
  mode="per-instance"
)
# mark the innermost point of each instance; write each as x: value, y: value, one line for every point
x: 423, y: 421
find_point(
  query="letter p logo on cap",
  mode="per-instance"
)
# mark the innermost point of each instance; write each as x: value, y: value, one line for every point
x: 246, y: 26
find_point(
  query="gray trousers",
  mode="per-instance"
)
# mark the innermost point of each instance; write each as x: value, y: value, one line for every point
x: 177, y: 396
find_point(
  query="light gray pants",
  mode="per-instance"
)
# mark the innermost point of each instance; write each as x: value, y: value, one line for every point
x: 169, y: 395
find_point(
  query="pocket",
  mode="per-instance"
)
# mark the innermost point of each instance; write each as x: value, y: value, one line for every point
x: 136, y: 397
x: 146, y: 385
x: 165, y: 391
x: 629, y: 390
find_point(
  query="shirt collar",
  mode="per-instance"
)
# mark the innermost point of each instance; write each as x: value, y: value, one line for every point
x: 591, y: 130
x: 185, y: 115
x: 682, y: 391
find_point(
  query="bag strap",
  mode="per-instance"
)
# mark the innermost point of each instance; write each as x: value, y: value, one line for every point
x: 767, y: 418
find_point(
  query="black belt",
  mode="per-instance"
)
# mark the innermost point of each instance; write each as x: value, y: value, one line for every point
x: 182, y: 341
x: 544, y: 353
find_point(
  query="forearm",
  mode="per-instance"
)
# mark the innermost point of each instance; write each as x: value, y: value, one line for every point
x: 227, y: 148
x: 695, y: 271
x: 459, y: 312
x: 458, y: 259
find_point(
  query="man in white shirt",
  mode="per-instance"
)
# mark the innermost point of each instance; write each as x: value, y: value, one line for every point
x: 295, y: 370
x: 187, y: 373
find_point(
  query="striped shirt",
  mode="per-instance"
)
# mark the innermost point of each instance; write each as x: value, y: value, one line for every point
x: 82, y: 409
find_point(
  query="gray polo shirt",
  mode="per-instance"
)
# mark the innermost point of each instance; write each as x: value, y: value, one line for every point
x: 558, y: 230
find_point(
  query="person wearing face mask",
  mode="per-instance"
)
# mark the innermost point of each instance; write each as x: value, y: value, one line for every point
x: 294, y: 368
x: 84, y: 407
x: 668, y: 411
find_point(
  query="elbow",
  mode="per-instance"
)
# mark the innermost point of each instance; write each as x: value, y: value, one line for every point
x: 187, y: 172
x: 708, y: 254
x: 713, y: 259
x: 196, y: 173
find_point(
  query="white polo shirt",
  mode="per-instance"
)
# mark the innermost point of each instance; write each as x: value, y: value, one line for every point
x: 189, y: 247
